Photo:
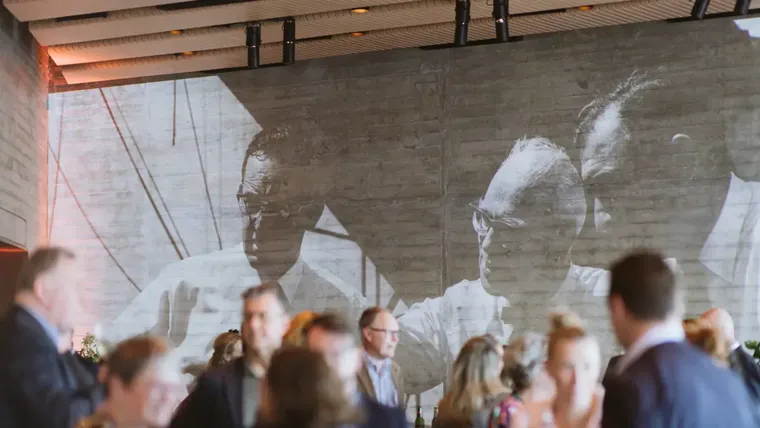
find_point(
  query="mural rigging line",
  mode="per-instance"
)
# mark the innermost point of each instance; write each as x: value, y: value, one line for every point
x: 57, y: 170
x: 89, y: 223
x: 139, y: 176
x: 203, y: 169
x: 174, y: 116
x: 150, y: 175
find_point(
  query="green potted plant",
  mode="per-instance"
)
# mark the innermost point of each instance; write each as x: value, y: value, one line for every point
x: 90, y: 349
x: 754, y: 348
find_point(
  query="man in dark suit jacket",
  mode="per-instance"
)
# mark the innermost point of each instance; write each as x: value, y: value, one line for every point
x: 41, y: 388
x: 662, y: 381
x: 610, y: 372
x: 332, y: 336
x: 740, y: 361
x: 228, y: 396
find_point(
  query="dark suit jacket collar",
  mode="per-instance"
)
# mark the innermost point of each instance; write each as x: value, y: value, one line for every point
x: 29, y: 324
x: 233, y: 389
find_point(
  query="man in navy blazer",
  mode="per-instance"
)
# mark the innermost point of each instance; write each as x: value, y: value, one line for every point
x: 40, y: 387
x: 662, y: 381
x: 332, y: 336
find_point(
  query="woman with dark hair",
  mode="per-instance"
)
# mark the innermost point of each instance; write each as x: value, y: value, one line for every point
x: 227, y: 347
x: 300, y: 390
x: 144, y: 386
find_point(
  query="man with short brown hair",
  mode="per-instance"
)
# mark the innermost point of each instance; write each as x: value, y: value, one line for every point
x: 39, y: 386
x: 228, y: 396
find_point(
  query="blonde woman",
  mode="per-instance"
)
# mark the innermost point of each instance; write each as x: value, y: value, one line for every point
x: 475, y: 385
x: 707, y: 338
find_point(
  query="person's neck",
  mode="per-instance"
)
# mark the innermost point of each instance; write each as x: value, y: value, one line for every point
x: 572, y: 411
x: 121, y: 420
x: 638, y: 329
x: 257, y: 359
x: 31, y: 301
x: 373, y: 354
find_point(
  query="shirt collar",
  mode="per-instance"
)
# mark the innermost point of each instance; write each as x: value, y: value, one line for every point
x: 670, y: 331
x: 734, y: 347
x: 47, y: 326
x: 377, y: 364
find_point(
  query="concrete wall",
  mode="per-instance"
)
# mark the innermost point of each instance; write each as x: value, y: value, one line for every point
x: 23, y: 135
x: 386, y: 187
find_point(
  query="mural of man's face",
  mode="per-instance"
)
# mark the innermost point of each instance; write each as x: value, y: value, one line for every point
x: 519, y: 215
x: 274, y: 221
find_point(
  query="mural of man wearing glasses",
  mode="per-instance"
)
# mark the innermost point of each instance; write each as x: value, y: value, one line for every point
x: 533, y: 210
x: 191, y: 300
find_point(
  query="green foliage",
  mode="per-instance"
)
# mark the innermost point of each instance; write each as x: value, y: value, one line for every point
x: 90, y: 348
x: 754, y: 347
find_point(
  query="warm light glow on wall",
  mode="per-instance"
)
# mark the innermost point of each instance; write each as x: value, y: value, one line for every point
x: 360, y: 10
x: 175, y: 32
x: 585, y: 8
x: 357, y: 34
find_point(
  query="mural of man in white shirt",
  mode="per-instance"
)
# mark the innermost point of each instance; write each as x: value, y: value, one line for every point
x: 526, y: 225
x: 192, y: 300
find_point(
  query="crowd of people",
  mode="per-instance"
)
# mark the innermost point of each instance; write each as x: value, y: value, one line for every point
x: 317, y: 370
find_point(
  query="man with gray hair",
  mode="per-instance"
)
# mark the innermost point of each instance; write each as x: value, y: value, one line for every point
x: 534, y: 207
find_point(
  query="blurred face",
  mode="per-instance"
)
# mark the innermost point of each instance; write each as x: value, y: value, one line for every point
x: 59, y: 291
x: 620, y: 320
x: 339, y: 351
x: 381, y: 337
x: 264, y: 323
x: 575, y: 366
x: 237, y: 349
x: 151, y: 398
x: 273, y: 222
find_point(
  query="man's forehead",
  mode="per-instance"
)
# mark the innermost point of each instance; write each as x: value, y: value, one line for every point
x: 265, y: 303
x: 320, y: 338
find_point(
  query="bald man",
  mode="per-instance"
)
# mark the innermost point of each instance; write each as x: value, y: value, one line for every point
x: 740, y: 361
x: 535, y: 203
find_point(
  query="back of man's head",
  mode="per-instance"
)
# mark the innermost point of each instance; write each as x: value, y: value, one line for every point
x: 645, y: 284
x: 40, y: 263
x: 332, y: 324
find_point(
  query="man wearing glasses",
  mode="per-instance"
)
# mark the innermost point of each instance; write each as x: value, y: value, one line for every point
x: 533, y: 210
x: 280, y: 201
x: 380, y: 378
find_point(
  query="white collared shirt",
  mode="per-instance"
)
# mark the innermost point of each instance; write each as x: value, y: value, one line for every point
x: 670, y: 331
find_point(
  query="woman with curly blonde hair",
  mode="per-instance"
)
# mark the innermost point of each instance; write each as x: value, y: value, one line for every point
x: 295, y: 334
x: 707, y: 338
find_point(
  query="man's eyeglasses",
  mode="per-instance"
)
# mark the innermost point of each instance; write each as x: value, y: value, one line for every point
x: 386, y: 332
x: 251, y: 204
x: 482, y: 222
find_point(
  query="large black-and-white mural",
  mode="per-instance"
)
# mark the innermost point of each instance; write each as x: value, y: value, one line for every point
x: 466, y: 194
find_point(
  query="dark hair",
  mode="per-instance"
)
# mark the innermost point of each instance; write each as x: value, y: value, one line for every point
x: 305, y: 392
x: 40, y: 262
x: 224, y: 346
x: 131, y: 356
x: 369, y: 315
x: 645, y: 283
x: 268, y: 287
x: 330, y: 323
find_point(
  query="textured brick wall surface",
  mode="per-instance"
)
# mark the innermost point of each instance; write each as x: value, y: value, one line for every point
x: 23, y: 135
x: 469, y: 190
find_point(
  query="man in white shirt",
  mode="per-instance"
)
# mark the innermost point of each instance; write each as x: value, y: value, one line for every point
x: 192, y: 300
x: 534, y: 204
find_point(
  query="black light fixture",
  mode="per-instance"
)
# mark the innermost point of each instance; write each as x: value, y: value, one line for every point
x: 253, y: 42
x: 462, y: 22
x: 501, y: 17
x: 289, y: 41
x: 699, y: 10
x: 742, y: 7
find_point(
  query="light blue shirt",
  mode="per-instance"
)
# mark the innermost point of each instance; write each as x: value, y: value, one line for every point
x: 49, y: 328
x: 382, y: 380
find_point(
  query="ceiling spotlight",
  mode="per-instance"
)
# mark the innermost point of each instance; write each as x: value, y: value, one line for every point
x: 700, y: 9
x: 462, y: 22
x: 175, y: 32
x: 253, y: 43
x: 585, y: 8
x: 289, y: 41
x: 742, y: 7
x: 357, y: 34
x: 501, y: 19
x: 188, y: 53
x: 360, y: 10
